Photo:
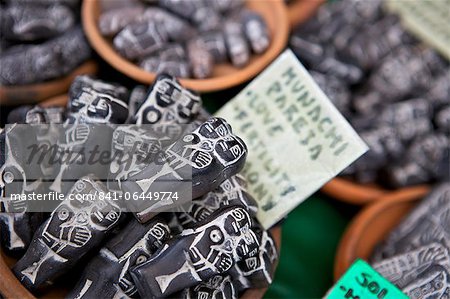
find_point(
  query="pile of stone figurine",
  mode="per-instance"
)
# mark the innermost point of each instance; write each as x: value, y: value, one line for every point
x: 214, y: 249
x: 416, y: 255
x: 393, y: 89
x: 40, y: 40
x: 184, y: 38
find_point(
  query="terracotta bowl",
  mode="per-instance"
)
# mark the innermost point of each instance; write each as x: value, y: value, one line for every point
x: 59, y: 101
x: 373, y: 224
x: 224, y: 75
x: 353, y: 193
x: 301, y: 10
x: 33, y: 93
x: 11, y: 288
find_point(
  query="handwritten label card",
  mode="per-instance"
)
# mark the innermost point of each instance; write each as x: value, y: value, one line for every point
x: 296, y: 138
x: 361, y: 281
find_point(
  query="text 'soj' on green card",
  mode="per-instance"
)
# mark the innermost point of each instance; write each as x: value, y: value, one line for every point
x: 296, y: 138
x: 361, y: 281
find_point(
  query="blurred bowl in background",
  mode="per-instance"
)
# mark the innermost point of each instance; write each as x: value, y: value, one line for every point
x: 34, y: 93
x: 300, y: 11
x: 373, y: 224
x: 352, y: 192
x: 224, y: 75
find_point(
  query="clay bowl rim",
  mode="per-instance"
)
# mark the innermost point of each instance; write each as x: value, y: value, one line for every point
x: 354, y: 193
x: 346, y: 253
x: 11, y: 288
x: 300, y: 11
x: 90, y: 10
x: 21, y: 94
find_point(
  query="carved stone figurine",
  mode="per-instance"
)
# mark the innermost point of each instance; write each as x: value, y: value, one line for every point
x: 416, y: 254
x: 114, y: 20
x: 231, y: 192
x: 429, y: 222
x: 18, y: 177
x: 335, y: 89
x: 140, y: 39
x: 211, y: 248
x: 106, y: 275
x: 205, y: 16
x: 257, y: 268
x: 57, y: 57
x: 137, y: 97
x: 194, y: 165
x: 420, y: 273
x: 96, y: 102
x: 224, y: 6
x: 384, y: 145
x: 171, y: 60
x: 214, y: 42
x: 322, y: 59
x: 36, y: 115
x: 93, y: 106
x: 404, y: 72
x: 442, y: 120
x: 427, y: 159
x: 74, y: 228
x: 217, y: 287
x: 31, y: 22
x: 411, y: 118
x: 256, y: 31
x: 237, y: 46
x: 133, y: 147
x: 158, y: 65
x: 17, y: 226
x: 177, y: 29
x: 201, y: 60
x: 166, y: 106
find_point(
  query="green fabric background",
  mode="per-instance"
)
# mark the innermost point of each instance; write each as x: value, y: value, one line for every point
x: 310, y: 236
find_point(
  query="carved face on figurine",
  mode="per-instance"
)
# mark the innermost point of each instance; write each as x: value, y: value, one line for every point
x: 17, y: 176
x: 194, y: 165
x: 401, y: 73
x: 168, y: 103
x: 217, y: 287
x: 106, y: 275
x: 429, y: 222
x: 419, y: 273
x: 94, y: 101
x: 256, y: 270
x: 157, y: 233
x: 133, y: 148
x: 230, y: 192
x: 214, y: 144
x: 432, y: 283
x: 28, y: 22
x: 140, y: 39
x: 199, y: 253
x: 78, y: 225
x: 36, y: 115
x: 222, y: 241
x: 73, y: 222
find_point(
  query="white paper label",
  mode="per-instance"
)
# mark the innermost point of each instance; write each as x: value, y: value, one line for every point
x: 296, y: 138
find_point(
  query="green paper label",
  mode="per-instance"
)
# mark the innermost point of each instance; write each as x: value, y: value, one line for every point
x: 361, y: 281
x: 297, y: 140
